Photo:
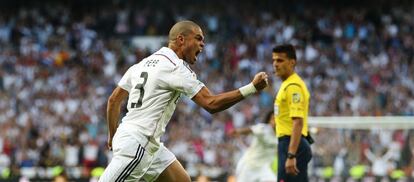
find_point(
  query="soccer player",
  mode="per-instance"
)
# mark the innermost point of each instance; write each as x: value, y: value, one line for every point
x: 291, y: 113
x: 256, y: 162
x: 153, y: 87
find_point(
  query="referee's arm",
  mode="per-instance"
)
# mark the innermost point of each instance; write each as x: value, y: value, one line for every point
x: 296, y: 134
x: 290, y: 165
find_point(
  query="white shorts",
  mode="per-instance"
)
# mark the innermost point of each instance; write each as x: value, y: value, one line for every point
x: 136, y: 159
x: 246, y: 173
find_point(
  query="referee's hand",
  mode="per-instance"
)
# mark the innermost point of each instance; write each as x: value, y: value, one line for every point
x: 290, y: 167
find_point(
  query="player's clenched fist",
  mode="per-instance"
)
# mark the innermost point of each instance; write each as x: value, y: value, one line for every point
x: 260, y: 81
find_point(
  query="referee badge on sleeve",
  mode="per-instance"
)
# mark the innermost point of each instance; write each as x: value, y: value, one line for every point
x: 296, y: 98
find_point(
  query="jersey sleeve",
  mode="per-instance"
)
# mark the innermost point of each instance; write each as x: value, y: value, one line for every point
x: 257, y: 129
x: 184, y: 80
x: 125, y: 82
x: 296, y: 101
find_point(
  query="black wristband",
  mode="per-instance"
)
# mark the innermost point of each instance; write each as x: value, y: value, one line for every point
x: 290, y: 155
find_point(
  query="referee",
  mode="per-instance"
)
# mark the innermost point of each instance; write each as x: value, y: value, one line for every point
x: 291, y: 114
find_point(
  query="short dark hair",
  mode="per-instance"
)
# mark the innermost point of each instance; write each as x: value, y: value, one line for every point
x: 286, y: 48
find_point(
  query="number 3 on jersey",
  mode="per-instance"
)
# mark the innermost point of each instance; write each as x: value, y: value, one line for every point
x: 140, y: 86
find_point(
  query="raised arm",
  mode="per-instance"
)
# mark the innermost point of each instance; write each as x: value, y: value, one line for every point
x: 113, y: 111
x: 370, y: 156
x: 215, y: 103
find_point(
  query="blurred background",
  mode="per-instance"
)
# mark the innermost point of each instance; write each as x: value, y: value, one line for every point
x: 60, y: 61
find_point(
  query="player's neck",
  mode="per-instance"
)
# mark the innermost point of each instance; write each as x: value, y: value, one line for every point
x: 176, y: 49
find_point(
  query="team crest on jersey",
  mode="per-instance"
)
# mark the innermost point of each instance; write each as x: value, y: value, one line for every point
x: 296, y: 98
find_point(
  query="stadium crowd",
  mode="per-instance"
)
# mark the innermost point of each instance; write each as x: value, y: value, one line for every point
x: 60, y: 61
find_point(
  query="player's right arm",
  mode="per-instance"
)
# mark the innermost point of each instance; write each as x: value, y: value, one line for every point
x: 257, y: 129
x: 113, y: 111
x: 241, y: 131
x: 215, y: 103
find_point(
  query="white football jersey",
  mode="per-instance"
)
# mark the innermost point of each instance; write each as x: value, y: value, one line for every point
x: 263, y: 147
x: 155, y: 85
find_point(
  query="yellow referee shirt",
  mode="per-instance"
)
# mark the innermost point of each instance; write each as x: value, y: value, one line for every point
x: 292, y: 100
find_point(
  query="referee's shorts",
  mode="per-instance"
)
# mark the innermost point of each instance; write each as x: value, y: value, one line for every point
x: 303, y: 156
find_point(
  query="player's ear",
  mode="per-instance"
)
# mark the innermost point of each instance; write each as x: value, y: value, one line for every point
x: 180, y: 38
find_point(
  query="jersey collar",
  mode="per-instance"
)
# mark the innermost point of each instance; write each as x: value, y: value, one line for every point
x: 168, y: 52
x: 292, y: 76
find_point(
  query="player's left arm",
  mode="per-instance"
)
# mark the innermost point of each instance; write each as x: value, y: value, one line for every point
x: 215, y: 103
